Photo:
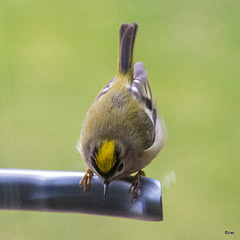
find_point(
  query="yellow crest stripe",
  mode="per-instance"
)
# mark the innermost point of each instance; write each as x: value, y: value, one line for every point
x: 105, y: 158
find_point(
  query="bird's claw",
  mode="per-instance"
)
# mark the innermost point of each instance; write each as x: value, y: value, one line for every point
x: 86, y: 179
x: 136, y: 184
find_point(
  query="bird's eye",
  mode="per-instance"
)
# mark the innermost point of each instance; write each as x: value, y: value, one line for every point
x: 120, y: 167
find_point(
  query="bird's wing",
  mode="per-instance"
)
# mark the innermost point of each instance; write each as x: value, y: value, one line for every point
x: 106, y: 88
x: 141, y: 90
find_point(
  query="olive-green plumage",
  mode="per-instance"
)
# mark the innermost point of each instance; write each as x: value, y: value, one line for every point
x: 121, y: 133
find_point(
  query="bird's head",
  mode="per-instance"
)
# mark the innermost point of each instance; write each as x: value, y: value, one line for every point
x: 107, y: 160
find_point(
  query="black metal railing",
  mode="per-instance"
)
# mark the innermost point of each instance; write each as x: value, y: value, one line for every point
x: 59, y: 191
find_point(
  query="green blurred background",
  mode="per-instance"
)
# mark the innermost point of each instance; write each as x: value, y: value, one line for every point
x: 55, y: 56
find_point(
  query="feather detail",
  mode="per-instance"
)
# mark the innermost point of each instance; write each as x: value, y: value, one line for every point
x: 140, y: 86
x: 141, y: 90
x: 127, y: 35
x: 106, y: 88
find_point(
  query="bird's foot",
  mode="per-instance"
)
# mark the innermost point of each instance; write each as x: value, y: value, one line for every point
x: 136, y: 184
x: 86, y: 179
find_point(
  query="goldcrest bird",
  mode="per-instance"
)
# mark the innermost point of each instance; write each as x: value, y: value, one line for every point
x: 122, y: 133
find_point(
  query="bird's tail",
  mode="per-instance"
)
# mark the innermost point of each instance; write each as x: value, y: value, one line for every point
x: 127, y: 36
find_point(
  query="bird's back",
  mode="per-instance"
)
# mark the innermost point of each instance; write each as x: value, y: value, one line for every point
x: 120, y: 113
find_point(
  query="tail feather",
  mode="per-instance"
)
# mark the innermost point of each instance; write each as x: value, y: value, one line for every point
x: 127, y: 38
x: 121, y: 32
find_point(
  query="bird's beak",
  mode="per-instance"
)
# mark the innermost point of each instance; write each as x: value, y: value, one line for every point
x: 105, y: 185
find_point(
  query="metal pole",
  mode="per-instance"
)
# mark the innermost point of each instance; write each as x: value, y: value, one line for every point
x: 59, y: 191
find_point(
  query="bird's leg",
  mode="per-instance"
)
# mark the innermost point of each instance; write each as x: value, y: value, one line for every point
x: 86, y: 179
x: 136, y: 183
